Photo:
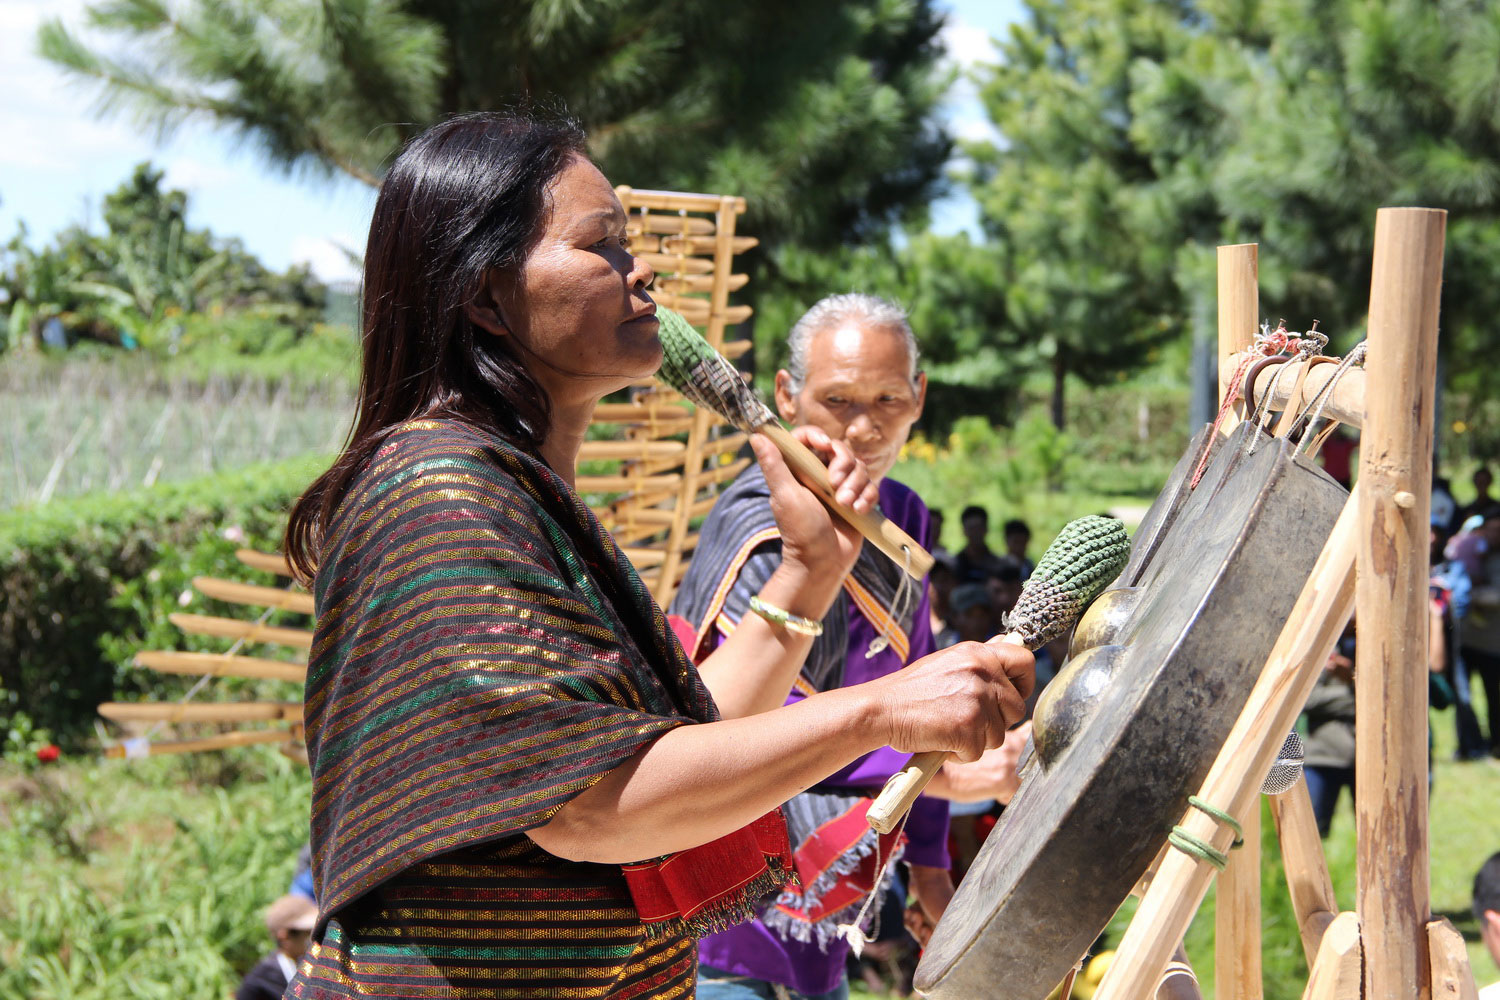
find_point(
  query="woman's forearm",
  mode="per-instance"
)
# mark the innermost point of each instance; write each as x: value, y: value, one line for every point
x: 753, y: 670
x: 699, y: 782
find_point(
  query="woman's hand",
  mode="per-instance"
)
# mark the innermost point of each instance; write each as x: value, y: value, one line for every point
x: 813, y: 538
x: 962, y: 699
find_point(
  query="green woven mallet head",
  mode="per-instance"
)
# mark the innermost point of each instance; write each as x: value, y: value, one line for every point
x: 1081, y: 561
x: 705, y: 376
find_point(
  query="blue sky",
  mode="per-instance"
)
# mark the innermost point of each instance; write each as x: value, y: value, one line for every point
x: 61, y: 159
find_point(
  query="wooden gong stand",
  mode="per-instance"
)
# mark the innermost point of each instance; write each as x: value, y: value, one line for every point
x: 1388, y: 947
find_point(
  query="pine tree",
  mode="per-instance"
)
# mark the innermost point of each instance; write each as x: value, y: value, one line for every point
x: 820, y: 113
x: 1075, y: 204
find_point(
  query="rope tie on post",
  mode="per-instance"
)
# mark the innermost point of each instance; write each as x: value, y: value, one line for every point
x: 1196, y: 847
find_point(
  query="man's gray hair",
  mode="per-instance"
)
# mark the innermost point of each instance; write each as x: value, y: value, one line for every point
x: 836, y: 310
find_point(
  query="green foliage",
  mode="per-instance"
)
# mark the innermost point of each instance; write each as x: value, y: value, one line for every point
x: 827, y: 129
x: 144, y: 879
x: 87, y: 583
x: 134, y: 283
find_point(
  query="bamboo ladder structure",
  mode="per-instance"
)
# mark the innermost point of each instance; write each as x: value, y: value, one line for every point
x: 652, y: 470
x: 1388, y: 947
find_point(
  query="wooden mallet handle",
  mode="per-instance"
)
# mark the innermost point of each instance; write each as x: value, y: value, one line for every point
x: 896, y: 798
x: 880, y: 532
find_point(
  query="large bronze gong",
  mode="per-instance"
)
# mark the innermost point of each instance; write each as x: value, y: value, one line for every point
x: 1161, y: 667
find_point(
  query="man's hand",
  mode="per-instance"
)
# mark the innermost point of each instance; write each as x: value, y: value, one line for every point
x: 933, y: 889
x: 994, y: 775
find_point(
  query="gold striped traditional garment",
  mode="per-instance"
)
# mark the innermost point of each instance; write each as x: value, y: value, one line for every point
x: 483, y: 654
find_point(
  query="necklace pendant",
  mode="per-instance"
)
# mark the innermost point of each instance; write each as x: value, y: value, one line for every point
x: 877, y: 646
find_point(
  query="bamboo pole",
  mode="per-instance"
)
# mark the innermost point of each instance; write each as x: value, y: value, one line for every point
x: 270, y: 562
x: 1336, y: 970
x: 1237, y: 936
x: 1390, y: 680
x: 1346, y: 403
x: 1237, y: 947
x: 1239, y: 310
x: 1233, y: 782
x: 243, y: 737
x: 234, y: 628
x: 1307, y: 875
x: 1452, y: 979
x: 218, y: 711
x: 221, y: 665
x: 234, y: 592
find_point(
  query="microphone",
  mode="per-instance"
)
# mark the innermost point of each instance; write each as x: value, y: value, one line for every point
x: 1288, y: 766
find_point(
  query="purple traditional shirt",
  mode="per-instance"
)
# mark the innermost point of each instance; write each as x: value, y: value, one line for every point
x: 753, y: 949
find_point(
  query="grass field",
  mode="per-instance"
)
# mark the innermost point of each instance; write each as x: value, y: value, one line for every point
x: 145, y: 879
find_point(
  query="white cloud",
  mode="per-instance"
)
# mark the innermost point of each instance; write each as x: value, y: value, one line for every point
x: 966, y: 43
x: 328, y: 262
x: 193, y: 176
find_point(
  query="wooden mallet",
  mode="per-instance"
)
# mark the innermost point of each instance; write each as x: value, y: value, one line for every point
x: 1081, y: 561
x: 706, y: 377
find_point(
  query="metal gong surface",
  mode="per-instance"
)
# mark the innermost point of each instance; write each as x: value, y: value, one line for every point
x: 1129, y: 728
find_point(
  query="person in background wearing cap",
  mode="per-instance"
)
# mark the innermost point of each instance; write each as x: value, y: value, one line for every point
x: 290, y: 920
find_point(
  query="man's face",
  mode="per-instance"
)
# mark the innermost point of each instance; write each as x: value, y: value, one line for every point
x: 1483, y: 480
x: 975, y: 624
x: 1016, y: 542
x: 859, y: 390
x: 975, y: 528
x: 1003, y: 594
x: 292, y: 943
x: 1489, y: 931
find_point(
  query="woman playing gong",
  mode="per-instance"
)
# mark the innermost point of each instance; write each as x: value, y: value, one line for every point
x: 521, y: 786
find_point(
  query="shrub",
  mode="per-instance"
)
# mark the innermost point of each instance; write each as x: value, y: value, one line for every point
x: 86, y: 583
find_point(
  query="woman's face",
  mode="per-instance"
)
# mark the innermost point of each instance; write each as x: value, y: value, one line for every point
x: 578, y: 306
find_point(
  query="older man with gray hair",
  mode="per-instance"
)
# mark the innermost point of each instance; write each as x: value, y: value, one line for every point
x: 854, y: 373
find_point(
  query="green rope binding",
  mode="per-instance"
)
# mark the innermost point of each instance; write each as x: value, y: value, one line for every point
x: 1196, y: 847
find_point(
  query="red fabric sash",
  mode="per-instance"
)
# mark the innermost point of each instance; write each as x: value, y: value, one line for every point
x: 827, y: 845
x: 709, y: 888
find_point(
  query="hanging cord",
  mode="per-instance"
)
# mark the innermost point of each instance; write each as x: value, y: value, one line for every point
x: 1196, y: 847
x: 1269, y: 343
x: 1230, y: 398
x: 854, y: 932
x: 1304, y: 347
x: 900, y: 605
x: 1354, y: 357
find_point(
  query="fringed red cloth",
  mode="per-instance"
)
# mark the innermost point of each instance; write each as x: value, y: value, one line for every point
x: 709, y: 888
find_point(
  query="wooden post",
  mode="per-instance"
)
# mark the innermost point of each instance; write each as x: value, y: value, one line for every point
x: 1237, y: 944
x: 1452, y: 979
x: 1237, y: 971
x: 1335, y: 972
x: 1239, y: 310
x: 1307, y: 875
x: 1395, y: 476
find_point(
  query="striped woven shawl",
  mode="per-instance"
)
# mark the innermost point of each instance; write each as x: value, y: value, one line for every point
x: 483, y: 653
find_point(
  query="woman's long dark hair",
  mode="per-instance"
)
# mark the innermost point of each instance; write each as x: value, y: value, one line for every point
x: 467, y: 197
